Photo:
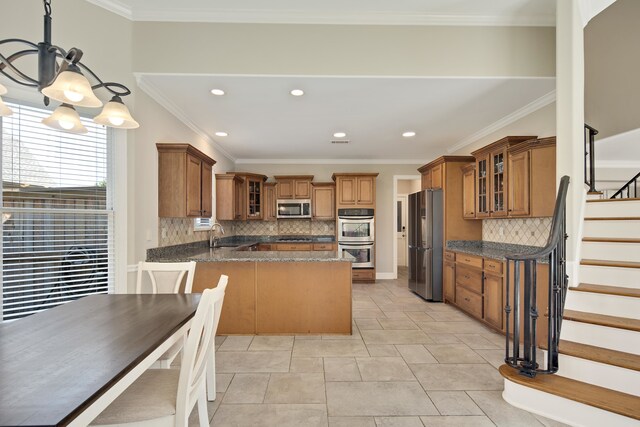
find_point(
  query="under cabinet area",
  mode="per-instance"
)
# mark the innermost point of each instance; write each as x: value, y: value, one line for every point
x: 184, y: 181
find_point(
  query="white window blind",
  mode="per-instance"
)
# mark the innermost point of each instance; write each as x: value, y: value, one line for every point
x: 200, y: 224
x: 57, y: 213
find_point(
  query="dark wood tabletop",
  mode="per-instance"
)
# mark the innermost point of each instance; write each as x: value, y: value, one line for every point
x: 54, y: 364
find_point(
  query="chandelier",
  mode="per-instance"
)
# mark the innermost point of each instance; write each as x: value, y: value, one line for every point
x: 61, y: 77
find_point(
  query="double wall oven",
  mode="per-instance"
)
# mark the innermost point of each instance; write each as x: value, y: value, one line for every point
x: 356, y: 235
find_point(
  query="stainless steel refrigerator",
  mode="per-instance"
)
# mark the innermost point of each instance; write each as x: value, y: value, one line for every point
x: 425, y: 244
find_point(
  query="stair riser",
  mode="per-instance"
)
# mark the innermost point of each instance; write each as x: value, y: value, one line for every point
x: 612, y: 276
x: 613, y: 209
x: 606, y: 228
x: 608, y: 376
x: 611, y: 305
x: 561, y: 409
x: 601, y: 336
x: 611, y: 251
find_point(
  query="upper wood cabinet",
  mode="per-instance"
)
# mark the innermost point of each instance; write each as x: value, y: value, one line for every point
x: 469, y: 191
x: 184, y: 181
x: 270, y: 209
x: 229, y: 197
x: 433, y: 175
x: 355, y: 189
x: 254, y: 194
x: 492, y: 174
x: 323, y: 200
x: 293, y: 186
x: 532, y: 178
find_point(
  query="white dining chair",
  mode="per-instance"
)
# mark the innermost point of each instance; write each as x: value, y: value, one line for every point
x: 166, y: 397
x: 166, y: 277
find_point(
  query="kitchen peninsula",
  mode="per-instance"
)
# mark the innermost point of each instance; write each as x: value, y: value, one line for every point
x: 271, y: 292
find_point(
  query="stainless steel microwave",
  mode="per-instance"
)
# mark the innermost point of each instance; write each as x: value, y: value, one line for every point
x: 294, y: 208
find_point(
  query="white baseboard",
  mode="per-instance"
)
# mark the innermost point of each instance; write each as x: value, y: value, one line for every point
x: 385, y: 276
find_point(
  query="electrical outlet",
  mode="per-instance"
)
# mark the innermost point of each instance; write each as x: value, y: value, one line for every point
x: 164, y: 233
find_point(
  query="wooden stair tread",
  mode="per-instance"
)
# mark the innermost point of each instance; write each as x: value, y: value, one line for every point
x: 599, y: 354
x: 612, y: 218
x: 609, y: 263
x: 611, y: 239
x: 602, y: 320
x: 608, y: 290
x: 612, y: 200
x: 589, y: 394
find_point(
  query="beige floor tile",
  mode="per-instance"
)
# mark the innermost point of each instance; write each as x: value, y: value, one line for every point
x: 330, y: 348
x: 444, y: 338
x: 384, y: 369
x: 398, y: 324
x: 549, y: 423
x: 306, y: 364
x: 377, y: 399
x: 398, y: 422
x: 252, y: 361
x: 341, y: 369
x: 419, y: 316
x: 479, y: 342
x: 211, y: 409
x: 364, y: 305
x: 382, y: 350
x: 271, y: 343
x: 281, y: 415
x: 439, y: 306
x: 454, y: 353
x: 449, y: 316
x: 494, y: 357
x: 452, y: 327
x: 222, y: 382
x: 500, y: 412
x: 247, y: 388
x: 497, y: 339
x: 415, y: 353
x: 395, y: 315
x: 219, y: 340
x: 368, y: 314
x: 352, y: 422
x: 367, y: 324
x: 395, y: 337
x: 308, y: 337
x: 454, y: 403
x: 381, y: 299
x: 448, y: 421
x: 296, y: 388
x: 236, y: 343
x: 458, y: 377
x: 355, y: 335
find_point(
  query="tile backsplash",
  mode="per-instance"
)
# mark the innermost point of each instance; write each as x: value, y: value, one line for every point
x: 519, y: 231
x: 178, y: 231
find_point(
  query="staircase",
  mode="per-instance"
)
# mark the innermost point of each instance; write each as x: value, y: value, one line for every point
x: 598, y: 381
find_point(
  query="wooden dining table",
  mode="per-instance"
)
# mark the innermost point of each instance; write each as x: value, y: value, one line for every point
x: 65, y: 365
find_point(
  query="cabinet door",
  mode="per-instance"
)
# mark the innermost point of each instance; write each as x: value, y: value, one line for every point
x: 499, y: 183
x: 240, y: 210
x: 469, y: 193
x: 493, y: 306
x: 194, y: 186
x: 366, y: 192
x: 302, y: 189
x: 347, y: 190
x: 482, y: 186
x: 207, y: 190
x: 323, y: 202
x: 436, y: 177
x: 254, y: 199
x: 519, y: 184
x: 285, y: 188
x: 449, y: 281
x: 270, y: 202
x: 426, y: 179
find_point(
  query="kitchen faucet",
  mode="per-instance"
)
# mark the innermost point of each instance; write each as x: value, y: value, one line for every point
x: 213, y: 239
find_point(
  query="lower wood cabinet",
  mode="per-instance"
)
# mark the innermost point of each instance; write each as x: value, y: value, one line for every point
x: 449, y: 281
x: 492, y: 300
x: 363, y: 275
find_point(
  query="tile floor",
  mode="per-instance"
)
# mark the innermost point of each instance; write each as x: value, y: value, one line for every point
x: 408, y: 363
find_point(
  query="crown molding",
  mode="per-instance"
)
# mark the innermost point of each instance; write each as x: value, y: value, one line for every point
x: 330, y: 161
x: 115, y: 6
x: 157, y: 96
x: 543, y: 101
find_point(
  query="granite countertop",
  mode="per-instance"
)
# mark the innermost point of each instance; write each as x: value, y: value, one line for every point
x: 493, y: 250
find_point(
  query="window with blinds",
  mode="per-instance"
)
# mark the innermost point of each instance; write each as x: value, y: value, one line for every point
x: 57, y: 213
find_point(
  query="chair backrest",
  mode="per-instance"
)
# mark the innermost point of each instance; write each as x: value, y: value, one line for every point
x: 166, y: 277
x: 197, y: 350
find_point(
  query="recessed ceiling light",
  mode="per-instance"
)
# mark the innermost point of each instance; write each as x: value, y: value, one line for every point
x: 339, y: 134
x: 217, y: 92
x: 297, y: 92
x: 409, y: 134
x: 221, y: 134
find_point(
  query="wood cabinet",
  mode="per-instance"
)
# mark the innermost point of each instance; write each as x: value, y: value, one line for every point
x: 324, y: 246
x: 229, y: 197
x: 449, y: 281
x: 323, y: 201
x: 293, y: 186
x: 355, y: 190
x: 493, y: 305
x: 425, y: 179
x: 292, y: 247
x: 184, y: 181
x: 433, y: 175
x: 469, y: 191
x: 270, y: 207
x: 532, y: 178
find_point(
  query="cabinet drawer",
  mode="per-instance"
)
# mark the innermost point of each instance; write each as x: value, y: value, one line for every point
x: 469, y: 301
x: 450, y: 256
x: 472, y: 260
x: 265, y: 247
x: 324, y: 247
x: 469, y: 278
x: 294, y: 246
x: 360, y: 274
x: 493, y: 266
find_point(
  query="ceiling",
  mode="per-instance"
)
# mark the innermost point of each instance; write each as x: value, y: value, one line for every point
x: 265, y: 122
x: 432, y: 12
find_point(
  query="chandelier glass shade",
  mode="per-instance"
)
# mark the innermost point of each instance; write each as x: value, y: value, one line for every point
x: 62, y: 77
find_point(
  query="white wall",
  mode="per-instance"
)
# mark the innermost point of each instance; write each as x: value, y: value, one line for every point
x: 408, y: 186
